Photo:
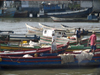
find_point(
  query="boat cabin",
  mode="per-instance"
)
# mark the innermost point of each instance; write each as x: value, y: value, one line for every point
x: 58, y: 32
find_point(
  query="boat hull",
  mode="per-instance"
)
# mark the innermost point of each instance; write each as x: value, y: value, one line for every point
x: 48, y: 61
x: 72, y: 14
x: 84, y: 41
x: 60, y: 49
x: 56, y: 19
x: 9, y: 14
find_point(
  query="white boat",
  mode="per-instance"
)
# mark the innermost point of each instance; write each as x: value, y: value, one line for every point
x: 45, y: 26
x: 73, y: 29
x: 52, y: 27
x: 31, y: 27
x: 33, y: 30
x: 69, y: 30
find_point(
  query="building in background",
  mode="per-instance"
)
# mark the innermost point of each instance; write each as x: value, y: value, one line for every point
x: 33, y: 6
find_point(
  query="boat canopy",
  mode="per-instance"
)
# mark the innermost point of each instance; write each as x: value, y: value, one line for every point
x: 49, y: 32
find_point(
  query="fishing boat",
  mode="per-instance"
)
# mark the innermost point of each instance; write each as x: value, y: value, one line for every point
x: 82, y: 47
x: 73, y: 29
x: 45, y: 26
x: 96, y: 30
x: 66, y: 14
x: 68, y: 60
x: 18, y: 37
x: 56, y: 19
x: 65, y: 26
x: 84, y: 41
x: 20, y: 46
x: 5, y: 12
x: 60, y: 49
x: 34, y: 30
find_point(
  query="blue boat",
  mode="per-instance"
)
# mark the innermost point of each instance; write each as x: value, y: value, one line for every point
x: 6, y: 13
x: 65, y: 14
x: 52, y: 60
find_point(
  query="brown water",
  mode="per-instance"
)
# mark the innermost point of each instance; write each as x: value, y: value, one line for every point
x: 18, y: 26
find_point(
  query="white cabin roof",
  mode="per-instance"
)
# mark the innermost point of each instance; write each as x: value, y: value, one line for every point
x: 49, y: 32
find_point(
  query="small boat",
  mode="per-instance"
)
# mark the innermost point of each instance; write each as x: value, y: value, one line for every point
x: 7, y: 12
x: 60, y: 49
x: 82, y: 47
x: 56, y: 19
x: 17, y: 38
x: 68, y: 60
x: 33, y: 28
x: 60, y: 39
x: 27, y: 38
x: 84, y: 41
x: 65, y: 26
x: 20, y: 46
x: 45, y: 26
x: 96, y: 30
x: 73, y: 29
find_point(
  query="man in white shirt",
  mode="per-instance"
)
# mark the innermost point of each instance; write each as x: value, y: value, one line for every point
x: 53, y: 46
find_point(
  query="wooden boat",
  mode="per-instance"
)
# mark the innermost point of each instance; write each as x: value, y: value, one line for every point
x: 65, y: 26
x: 24, y: 46
x: 56, y: 19
x: 60, y: 49
x: 82, y: 47
x: 79, y: 59
x: 36, y: 39
x: 39, y: 31
x: 73, y: 29
x: 45, y: 26
x: 33, y: 28
x: 34, y: 32
x: 19, y: 37
x: 96, y: 30
x: 84, y: 41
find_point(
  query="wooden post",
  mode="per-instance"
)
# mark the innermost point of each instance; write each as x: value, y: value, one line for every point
x: 0, y: 46
x: 21, y: 44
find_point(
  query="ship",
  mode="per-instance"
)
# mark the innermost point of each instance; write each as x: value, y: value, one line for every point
x: 58, y: 11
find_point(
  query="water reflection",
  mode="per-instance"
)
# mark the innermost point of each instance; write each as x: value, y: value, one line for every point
x: 26, y: 19
x: 83, y: 71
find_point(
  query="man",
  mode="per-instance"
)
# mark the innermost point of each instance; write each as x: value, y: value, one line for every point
x: 93, y: 39
x: 53, y: 46
x: 78, y: 36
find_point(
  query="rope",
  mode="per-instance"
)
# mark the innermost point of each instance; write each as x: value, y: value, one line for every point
x: 13, y: 60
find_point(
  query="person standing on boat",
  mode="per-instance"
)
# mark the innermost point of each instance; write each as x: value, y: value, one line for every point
x: 78, y: 36
x: 93, y: 39
x: 53, y: 46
